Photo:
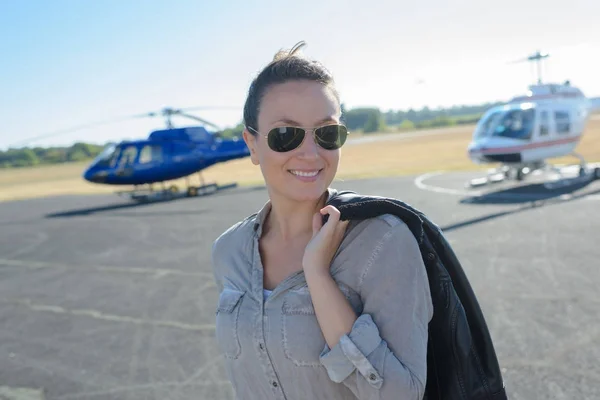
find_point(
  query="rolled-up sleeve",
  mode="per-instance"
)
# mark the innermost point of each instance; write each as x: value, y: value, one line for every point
x: 384, y: 356
x: 353, y: 351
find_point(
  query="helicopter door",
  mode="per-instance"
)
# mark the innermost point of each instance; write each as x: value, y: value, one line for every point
x: 544, y: 124
x: 563, y: 122
x: 127, y: 160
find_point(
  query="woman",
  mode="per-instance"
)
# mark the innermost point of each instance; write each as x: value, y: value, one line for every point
x: 309, y: 310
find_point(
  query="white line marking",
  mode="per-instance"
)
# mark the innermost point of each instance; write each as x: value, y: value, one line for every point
x: 147, y: 386
x: 155, y: 272
x: 419, y: 182
x: 207, y: 328
x: 566, y: 181
x: 13, y: 393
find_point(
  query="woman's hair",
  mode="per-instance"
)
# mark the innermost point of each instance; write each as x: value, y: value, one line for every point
x: 287, y: 65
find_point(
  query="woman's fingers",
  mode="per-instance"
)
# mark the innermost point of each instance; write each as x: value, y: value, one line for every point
x: 334, y: 213
x: 332, y: 219
x: 334, y: 226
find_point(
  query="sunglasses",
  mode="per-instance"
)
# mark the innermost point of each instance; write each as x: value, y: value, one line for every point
x: 288, y: 138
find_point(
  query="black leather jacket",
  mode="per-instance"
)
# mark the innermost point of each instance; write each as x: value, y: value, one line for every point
x: 462, y: 362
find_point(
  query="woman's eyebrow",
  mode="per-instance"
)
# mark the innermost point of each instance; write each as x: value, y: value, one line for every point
x: 295, y: 123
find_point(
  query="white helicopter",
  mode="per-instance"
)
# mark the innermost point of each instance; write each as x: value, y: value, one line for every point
x: 547, y: 122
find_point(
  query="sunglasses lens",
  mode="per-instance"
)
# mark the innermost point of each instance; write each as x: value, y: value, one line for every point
x: 332, y: 137
x: 285, y: 138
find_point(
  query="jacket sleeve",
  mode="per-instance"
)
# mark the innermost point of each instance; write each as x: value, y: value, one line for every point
x: 384, y: 356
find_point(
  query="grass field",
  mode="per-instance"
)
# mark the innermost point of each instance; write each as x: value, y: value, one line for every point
x: 443, y: 151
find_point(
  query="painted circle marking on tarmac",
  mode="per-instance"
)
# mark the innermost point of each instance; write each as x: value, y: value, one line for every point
x: 419, y: 181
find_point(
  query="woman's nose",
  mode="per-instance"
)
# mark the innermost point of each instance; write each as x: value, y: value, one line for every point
x: 309, y: 147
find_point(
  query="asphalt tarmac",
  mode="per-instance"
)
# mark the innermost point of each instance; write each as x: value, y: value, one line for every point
x: 102, y: 299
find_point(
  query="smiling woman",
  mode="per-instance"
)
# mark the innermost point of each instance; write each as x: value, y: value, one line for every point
x: 298, y: 100
x: 291, y: 155
x: 306, y: 309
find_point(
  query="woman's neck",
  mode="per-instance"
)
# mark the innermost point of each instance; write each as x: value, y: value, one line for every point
x: 290, y: 220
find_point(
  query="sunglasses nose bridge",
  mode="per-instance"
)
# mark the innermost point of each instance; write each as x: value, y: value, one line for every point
x: 309, y: 145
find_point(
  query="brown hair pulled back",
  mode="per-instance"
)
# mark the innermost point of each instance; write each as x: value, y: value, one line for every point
x: 287, y: 65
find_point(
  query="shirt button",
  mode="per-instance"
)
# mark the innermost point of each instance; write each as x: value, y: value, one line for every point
x: 261, y: 346
x: 372, y: 377
x: 275, y: 384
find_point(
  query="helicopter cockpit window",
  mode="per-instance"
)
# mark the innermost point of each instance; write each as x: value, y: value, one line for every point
x: 486, y: 122
x: 515, y: 124
x: 107, y: 156
x: 150, y: 153
x: 128, y: 156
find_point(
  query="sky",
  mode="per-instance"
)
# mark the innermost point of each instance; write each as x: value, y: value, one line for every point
x: 67, y: 63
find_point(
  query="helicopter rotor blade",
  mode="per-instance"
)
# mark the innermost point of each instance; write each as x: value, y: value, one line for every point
x: 553, y: 51
x: 76, y: 128
x: 160, y: 113
x: 533, y: 57
x: 198, y: 119
x: 519, y: 61
x: 196, y: 108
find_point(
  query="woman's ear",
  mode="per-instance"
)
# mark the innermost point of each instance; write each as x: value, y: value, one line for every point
x: 250, y: 140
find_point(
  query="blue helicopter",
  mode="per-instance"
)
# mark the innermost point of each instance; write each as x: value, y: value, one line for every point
x: 167, y: 154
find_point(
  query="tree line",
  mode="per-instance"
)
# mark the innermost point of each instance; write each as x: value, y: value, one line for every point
x: 372, y: 119
x: 364, y: 119
x: 32, y: 156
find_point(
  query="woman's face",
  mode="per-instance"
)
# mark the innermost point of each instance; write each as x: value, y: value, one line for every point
x: 303, y: 104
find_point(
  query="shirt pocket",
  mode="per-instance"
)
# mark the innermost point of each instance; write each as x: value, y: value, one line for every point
x: 302, y: 339
x: 227, y: 320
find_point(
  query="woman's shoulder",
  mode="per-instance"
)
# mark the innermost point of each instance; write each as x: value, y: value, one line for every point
x: 382, y: 238
x: 235, y: 236
x: 380, y: 228
x: 373, y: 250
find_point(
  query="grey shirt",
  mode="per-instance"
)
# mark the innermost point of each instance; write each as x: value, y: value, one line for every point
x: 273, y: 345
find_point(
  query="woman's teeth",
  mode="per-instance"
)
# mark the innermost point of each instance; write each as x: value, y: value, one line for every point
x: 305, y: 173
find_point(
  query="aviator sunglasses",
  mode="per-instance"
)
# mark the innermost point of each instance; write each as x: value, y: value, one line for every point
x: 287, y: 138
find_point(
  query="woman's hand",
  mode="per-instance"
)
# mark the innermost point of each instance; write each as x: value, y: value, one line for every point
x: 333, y: 310
x: 325, y: 240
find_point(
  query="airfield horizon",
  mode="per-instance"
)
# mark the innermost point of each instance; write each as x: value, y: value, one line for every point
x: 374, y: 155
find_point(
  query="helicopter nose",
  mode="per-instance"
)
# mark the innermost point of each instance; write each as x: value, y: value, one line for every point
x: 474, y: 152
x: 95, y: 176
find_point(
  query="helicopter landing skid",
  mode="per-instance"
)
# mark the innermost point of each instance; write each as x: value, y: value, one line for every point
x: 493, y: 176
x: 173, y: 192
x: 204, y: 190
x: 508, y: 173
x: 551, y: 176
